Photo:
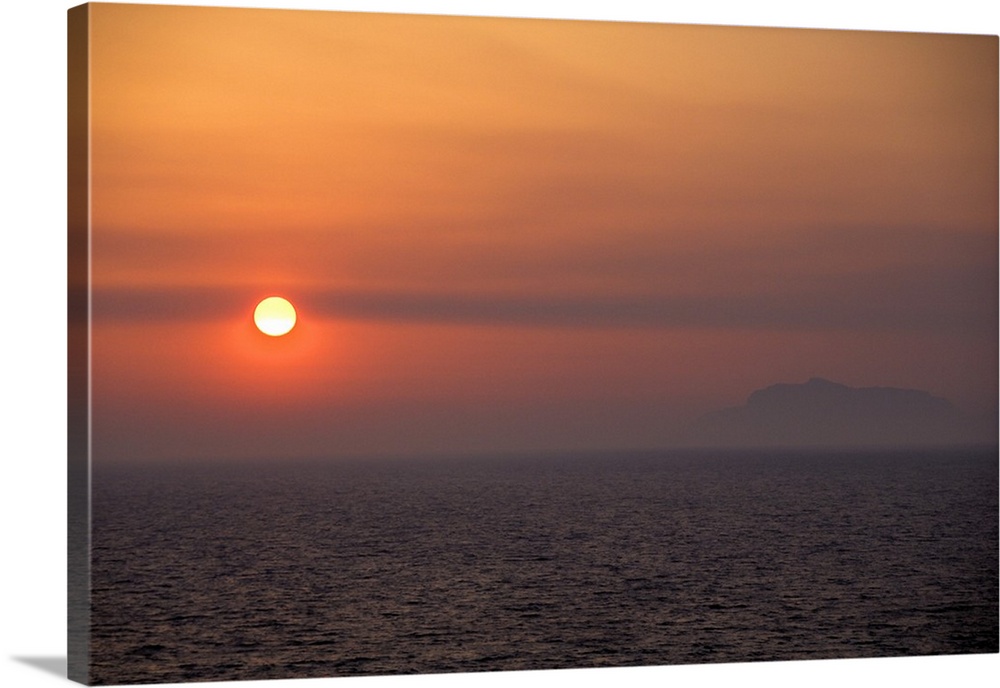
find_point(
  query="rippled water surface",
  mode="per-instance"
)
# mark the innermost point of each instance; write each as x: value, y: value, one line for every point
x: 303, y: 569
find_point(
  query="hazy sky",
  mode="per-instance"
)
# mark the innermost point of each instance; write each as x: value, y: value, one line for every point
x: 523, y: 234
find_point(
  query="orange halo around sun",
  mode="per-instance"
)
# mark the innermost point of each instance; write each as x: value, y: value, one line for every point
x: 274, y: 316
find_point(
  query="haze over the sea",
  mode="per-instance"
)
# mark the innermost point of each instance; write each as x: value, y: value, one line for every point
x: 513, y: 235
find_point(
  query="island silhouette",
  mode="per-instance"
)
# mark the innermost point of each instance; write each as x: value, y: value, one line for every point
x: 824, y: 413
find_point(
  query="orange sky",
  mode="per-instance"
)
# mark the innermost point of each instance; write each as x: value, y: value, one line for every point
x: 517, y: 234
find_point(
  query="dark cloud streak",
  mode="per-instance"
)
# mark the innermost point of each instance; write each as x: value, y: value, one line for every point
x: 933, y: 301
x: 148, y: 305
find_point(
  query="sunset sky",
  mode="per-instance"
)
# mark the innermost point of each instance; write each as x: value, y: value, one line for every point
x: 509, y: 235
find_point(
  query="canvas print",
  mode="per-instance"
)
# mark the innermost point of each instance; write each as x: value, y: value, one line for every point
x: 418, y: 344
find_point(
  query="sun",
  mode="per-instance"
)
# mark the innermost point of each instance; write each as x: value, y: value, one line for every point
x: 274, y: 316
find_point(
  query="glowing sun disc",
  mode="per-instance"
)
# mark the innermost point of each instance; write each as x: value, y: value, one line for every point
x: 274, y: 316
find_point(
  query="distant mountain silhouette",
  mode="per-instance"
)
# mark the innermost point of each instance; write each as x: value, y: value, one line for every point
x: 820, y: 412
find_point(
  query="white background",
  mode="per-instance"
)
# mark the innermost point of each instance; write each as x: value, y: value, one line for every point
x: 32, y: 318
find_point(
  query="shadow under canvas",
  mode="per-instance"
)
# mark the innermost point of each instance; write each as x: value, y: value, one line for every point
x: 51, y: 665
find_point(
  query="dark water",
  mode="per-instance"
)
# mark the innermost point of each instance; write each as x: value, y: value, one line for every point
x: 310, y: 569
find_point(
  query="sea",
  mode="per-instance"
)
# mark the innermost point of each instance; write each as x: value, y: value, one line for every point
x: 293, y: 569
